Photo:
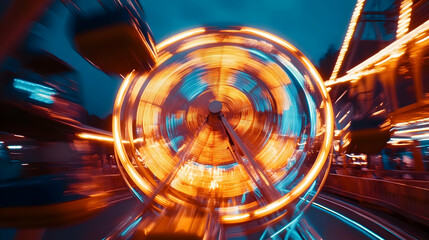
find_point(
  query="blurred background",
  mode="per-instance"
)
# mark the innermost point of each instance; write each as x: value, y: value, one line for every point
x: 62, y: 62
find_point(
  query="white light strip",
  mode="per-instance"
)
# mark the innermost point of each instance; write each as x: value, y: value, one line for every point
x: 420, y: 136
x: 412, y: 130
x: 14, y: 147
x: 420, y: 122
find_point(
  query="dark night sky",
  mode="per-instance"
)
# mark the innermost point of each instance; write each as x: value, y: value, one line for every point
x: 310, y: 25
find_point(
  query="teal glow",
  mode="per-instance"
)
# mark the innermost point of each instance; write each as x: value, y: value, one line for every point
x: 259, y: 54
x: 262, y: 104
x: 263, y: 234
x: 303, y: 198
x: 37, y: 92
x: 228, y: 166
x: 172, y: 122
x: 136, y: 194
x: 192, y: 87
x: 244, y: 82
x: 243, y: 198
x: 311, y: 105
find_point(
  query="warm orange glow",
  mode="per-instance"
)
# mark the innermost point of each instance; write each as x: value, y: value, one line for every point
x: 350, y: 31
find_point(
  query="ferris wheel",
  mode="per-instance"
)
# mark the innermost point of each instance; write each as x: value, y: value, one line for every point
x: 229, y: 134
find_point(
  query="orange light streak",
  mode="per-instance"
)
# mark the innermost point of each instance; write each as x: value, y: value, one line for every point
x: 95, y: 137
x: 271, y: 37
x: 379, y: 112
x: 178, y: 37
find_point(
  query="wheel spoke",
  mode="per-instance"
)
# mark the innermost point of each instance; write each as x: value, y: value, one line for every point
x: 253, y: 169
x: 166, y: 182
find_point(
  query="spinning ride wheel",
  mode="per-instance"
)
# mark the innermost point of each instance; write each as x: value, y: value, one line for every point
x: 233, y: 127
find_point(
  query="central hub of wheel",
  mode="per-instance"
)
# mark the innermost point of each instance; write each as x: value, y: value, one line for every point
x: 215, y: 107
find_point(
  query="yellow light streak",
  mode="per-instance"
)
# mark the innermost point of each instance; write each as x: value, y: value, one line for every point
x: 402, y: 124
x: 378, y: 112
x: 412, y: 130
x: 345, y: 115
x: 350, y: 31
x: 404, y: 18
x: 366, y: 67
x: 236, y: 218
x: 162, y: 57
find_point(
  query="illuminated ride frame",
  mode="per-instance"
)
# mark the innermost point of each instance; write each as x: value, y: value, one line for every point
x: 228, y: 136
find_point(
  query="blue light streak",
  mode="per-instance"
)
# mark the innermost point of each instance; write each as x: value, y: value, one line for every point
x: 284, y: 123
x: 192, y: 87
x: 172, y: 123
x: 261, y: 101
x: 243, y: 198
x: 131, y: 226
x: 244, y: 82
x: 310, y: 101
x: 290, y: 123
x: 285, y: 227
x: 175, y: 142
x: 136, y: 194
x: 263, y: 234
x: 347, y: 220
x: 37, y: 92
x: 258, y: 54
x: 303, y: 198
x: 281, y: 185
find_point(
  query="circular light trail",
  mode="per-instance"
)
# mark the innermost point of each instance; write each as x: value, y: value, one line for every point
x: 234, y: 121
